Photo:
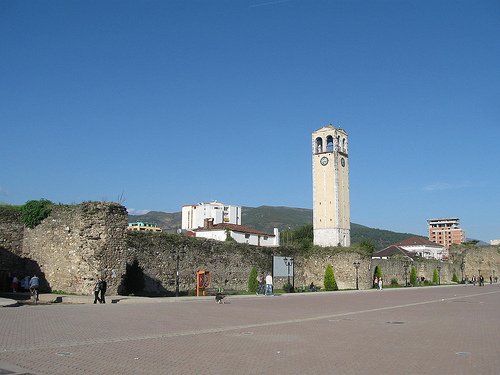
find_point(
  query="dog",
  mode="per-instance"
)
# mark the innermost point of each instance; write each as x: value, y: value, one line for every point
x: 219, y: 298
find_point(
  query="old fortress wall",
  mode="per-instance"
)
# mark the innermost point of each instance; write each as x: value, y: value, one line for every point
x: 76, y: 244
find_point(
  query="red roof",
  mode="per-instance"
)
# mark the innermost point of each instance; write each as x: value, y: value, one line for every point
x: 415, y: 240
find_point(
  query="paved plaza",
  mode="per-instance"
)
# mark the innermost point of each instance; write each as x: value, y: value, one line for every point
x: 431, y: 330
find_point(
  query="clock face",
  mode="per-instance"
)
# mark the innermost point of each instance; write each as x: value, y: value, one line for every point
x: 324, y: 161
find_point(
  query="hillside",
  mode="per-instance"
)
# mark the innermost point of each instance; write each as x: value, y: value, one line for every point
x: 285, y: 218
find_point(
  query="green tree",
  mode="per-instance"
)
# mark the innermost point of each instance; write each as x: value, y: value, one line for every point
x: 33, y: 212
x: 454, y: 278
x: 134, y: 278
x: 413, y: 276
x: 329, y: 281
x: 229, y: 238
x: 253, y: 284
x: 367, y: 245
x: 435, y: 276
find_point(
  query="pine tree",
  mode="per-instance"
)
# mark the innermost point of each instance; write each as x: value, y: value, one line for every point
x: 253, y: 284
x: 435, y: 276
x: 329, y: 281
x: 413, y: 276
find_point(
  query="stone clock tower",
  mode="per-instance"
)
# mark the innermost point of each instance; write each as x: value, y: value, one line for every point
x: 330, y: 168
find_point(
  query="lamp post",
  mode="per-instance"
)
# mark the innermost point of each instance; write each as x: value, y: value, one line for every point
x: 439, y: 274
x: 405, y: 266
x: 177, y: 256
x: 462, y: 267
x: 288, y: 263
x: 356, y: 265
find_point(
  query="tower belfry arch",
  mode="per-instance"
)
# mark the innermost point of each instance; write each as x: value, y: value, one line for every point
x: 330, y: 169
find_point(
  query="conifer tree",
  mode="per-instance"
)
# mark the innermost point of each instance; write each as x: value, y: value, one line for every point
x: 435, y: 276
x: 413, y: 276
x: 329, y: 281
x: 253, y: 284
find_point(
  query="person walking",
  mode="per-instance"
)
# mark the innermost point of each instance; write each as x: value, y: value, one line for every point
x: 96, y: 289
x: 15, y: 281
x: 103, y: 288
x: 269, y: 285
x: 380, y: 282
x: 262, y: 283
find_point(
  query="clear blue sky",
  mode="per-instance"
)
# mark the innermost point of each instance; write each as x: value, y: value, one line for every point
x: 180, y: 102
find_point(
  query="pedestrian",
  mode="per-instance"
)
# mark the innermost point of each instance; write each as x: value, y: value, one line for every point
x: 376, y: 282
x: 15, y: 281
x: 96, y: 289
x: 103, y: 287
x: 466, y: 280
x: 262, y: 283
x: 269, y: 285
x: 380, y: 282
x: 473, y: 280
x: 418, y: 281
x: 27, y: 283
x: 312, y: 287
x: 491, y: 280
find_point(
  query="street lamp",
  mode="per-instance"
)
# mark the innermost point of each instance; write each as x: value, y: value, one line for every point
x: 288, y: 263
x: 462, y: 267
x: 405, y: 266
x: 439, y: 274
x: 177, y: 256
x: 356, y: 265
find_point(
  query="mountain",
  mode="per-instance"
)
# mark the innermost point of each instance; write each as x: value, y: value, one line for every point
x: 284, y: 218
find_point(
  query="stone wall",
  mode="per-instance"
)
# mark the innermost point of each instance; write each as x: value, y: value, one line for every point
x: 76, y: 244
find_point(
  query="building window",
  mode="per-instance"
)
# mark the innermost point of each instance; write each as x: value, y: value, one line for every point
x: 247, y: 235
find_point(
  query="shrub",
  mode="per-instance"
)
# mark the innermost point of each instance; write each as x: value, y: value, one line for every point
x: 33, y: 212
x: 329, y: 281
x: 454, y: 278
x: 285, y: 287
x: 394, y: 283
x: 413, y: 276
x: 435, y: 276
x: 253, y: 284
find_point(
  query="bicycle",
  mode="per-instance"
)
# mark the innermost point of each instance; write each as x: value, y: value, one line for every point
x: 34, y: 294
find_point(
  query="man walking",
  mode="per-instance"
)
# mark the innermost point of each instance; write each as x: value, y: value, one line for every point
x: 262, y: 283
x: 269, y: 285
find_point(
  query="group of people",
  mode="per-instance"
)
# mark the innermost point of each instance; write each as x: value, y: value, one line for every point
x: 265, y: 284
x: 99, y: 290
x: 378, y: 283
x: 479, y: 280
x: 25, y: 283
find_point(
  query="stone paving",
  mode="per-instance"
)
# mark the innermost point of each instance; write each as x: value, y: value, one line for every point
x: 431, y: 330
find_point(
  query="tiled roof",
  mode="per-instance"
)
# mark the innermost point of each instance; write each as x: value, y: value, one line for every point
x: 391, y: 250
x: 415, y: 240
x: 235, y: 228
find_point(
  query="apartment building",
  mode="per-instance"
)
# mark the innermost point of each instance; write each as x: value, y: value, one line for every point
x: 445, y: 231
x: 142, y: 226
x: 194, y: 215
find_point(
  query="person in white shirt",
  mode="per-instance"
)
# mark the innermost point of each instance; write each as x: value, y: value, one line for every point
x: 269, y: 285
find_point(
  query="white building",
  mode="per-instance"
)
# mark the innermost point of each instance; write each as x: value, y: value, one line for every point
x: 194, y: 215
x: 239, y: 233
x: 423, y: 248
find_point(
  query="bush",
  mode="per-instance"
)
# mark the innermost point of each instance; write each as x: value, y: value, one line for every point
x: 253, y: 284
x: 285, y: 287
x: 435, y: 276
x: 394, y: 283
x: 413, y: 276
x: 454, y: 278
x: 33, y: 212
x: 329, y: 281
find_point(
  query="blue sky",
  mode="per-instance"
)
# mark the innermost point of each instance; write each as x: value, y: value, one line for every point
x: 180, y: 102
